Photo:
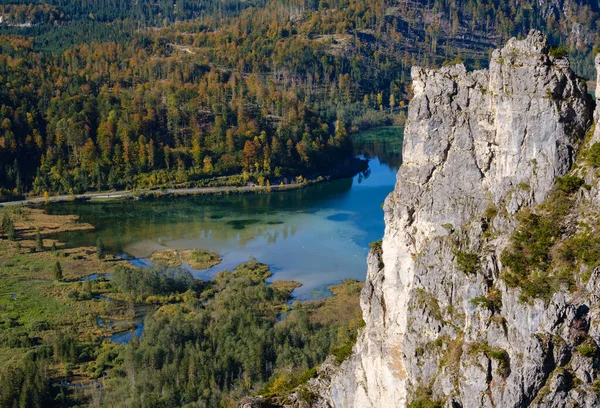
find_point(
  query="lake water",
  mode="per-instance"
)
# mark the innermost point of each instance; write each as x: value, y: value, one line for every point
x: 317, y: 235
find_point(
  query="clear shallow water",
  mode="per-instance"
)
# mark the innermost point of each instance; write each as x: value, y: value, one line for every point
x: 317, y: 235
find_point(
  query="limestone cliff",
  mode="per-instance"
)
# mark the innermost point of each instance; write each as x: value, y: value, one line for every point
x: 443, y: 327
x: 597, y: 93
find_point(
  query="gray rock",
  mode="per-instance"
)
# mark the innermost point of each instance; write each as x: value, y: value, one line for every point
x: 475, y: 143
x: 597, y: 93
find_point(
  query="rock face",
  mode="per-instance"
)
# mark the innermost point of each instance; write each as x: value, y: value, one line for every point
x: 478, y: 147
x: 597, y: 111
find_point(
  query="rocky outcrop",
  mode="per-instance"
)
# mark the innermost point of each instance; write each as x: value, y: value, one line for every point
x: 478, y: 147
x: 597, y: 93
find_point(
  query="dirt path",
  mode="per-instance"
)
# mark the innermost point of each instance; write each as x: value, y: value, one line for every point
x: 147, y: 192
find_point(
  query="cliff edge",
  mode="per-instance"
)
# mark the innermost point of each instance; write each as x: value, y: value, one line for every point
x: 472, y: 300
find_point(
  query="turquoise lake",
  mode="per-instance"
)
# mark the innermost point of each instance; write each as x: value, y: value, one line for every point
x: 317, y: 235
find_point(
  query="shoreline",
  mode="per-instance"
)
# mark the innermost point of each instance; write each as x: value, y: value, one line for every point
x: 359, y: 165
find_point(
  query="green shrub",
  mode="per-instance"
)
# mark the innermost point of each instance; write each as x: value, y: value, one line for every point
x: 558, y: 52
x: 588, y: 349
x: 492, y: 302
x: 527, y: 260
x: 425, y: 403
x: 58, y: 273
x: 467, y: 262
x: 286, y: 381
x: 424, y: 399
x: 593, y: 155
x: 451, y: 62
x: 569, y: 184
x: 100, y: 248
x: 39, y: 242
x: 490, y: 212
x: 582, y: 248
x: 342, y: 352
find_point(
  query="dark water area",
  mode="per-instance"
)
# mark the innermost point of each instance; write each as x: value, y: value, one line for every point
x: 128, y: 335
x: 318, y: 235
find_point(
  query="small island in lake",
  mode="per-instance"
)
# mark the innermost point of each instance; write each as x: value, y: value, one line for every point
x: 195, y: 258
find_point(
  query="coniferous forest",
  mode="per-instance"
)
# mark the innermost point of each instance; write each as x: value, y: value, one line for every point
x: 118, y: 95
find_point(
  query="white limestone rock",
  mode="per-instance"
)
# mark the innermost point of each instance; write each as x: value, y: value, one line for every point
x: 475, y: 143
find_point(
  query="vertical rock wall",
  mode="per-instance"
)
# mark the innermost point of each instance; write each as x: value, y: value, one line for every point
x: 478, y: 146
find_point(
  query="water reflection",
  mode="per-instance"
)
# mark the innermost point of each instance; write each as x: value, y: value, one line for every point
x: 385, y: 143
x: 317, y: 235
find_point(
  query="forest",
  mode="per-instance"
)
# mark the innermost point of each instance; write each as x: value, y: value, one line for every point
x: 111, y: 94
x: 204, y: 343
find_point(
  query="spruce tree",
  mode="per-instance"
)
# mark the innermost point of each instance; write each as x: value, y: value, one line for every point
x: 11, y: 234
x: 4, y: 224
x: 58, y: 275
x: 100, y: 248
x: 39, y: 242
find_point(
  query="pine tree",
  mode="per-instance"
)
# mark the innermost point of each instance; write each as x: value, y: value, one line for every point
x: 11, y: 234
x: 39, y: 242
x: 58, y: 274
x: 100, y: 248
x: 4, y: 224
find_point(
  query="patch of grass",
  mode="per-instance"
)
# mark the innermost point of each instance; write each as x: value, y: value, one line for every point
x: 257, y: 272
x: 588, y: 348
x: 596, y: 385
x: 593, y: 155
x: 490, y: 212
x: 453, y: 352
x: 451, y: 62
x: 26, y: 302
x: 343, y: 351
x: 198, y: 259
x: 195, y: 258
x: 344, y: 305
x: 494, y: 353
x: 448, y: 227
x: 431, y: 303
x: 423, y: 398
